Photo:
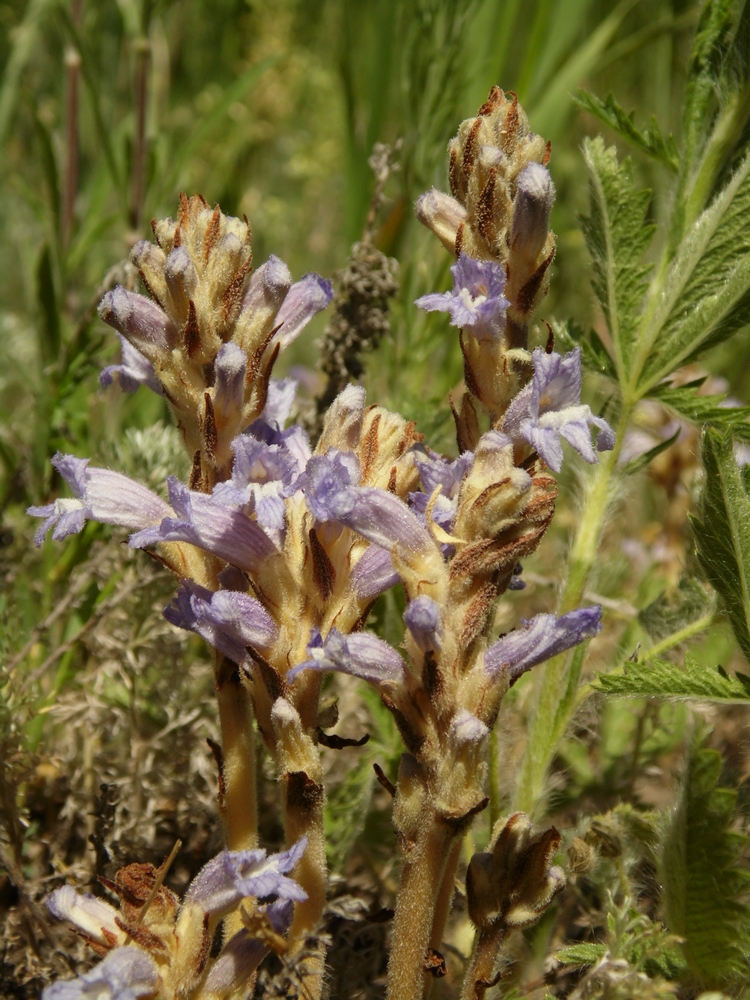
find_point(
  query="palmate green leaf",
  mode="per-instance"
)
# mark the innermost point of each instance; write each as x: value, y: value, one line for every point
x: 703, y: 883
x: 649, y: 140
x: 722, y: 532
x: 617, y: 237
x: 661, y: 679
x: 704, y: 296
x: 686, y: 402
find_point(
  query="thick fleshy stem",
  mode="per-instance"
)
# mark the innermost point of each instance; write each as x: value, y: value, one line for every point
x: 479, y: 974
x: 414, y: 924
x: 238, y: 804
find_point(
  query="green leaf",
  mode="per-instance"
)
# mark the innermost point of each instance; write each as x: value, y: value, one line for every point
x: 636, y: 464
x: 49, y: 325
x: 676, y: 608
x: 617, y: 237
x: 709, y: 48
x: 581, y: 954
x: 703, y: 883
x: 704, y: 296
x: 687, y: 403
x: 649, y: 140
x: 661, y: 679
x: 722, y: 532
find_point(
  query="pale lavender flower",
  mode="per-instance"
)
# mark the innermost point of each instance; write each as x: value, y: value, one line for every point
x: 477, y: 303
x: 531, y: 209
x: 267, y: 286
x: 373, y: 573
x: 139, y: 320
x: 243, y: 953
x: 230, y: 368
x: 133, y: 372
x: 466, y: 728
x: 227, y: 619
x: 379, y: 516
x: 95, y: 917
x: 101, y: 495
x: 549, y: 408
x: 231, y: 876
x: 268, y: 426
x: 262, y: 477
x: 227, y: 532
x: 124, y: 974
x: 541, y: 638
x: 304, y: 300
x: 361, y: 655
x: 422, y: 618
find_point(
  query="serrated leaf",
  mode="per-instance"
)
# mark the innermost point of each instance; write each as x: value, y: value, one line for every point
x: 703, y: 883
x: 704, y: 296
x: 675, y: 608
x: 687, y: 403
x: 722, y: 532
x: 617, y: 236
x: 581, y: 954
x: 661, y: 679
x: 709, y: 48
x: 649, y: 140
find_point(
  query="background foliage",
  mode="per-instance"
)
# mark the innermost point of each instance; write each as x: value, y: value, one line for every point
x: 108, y: 111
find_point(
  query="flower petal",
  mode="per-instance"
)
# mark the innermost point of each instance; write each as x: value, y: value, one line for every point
x: 541, y: 638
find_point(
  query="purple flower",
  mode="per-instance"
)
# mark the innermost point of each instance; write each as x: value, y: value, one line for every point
x: 304, y: 299
x: 226, y: 880
x: 549, y: 408
x: 531, y: 209
x: 202, y: 521
x: 101, y: 495
x: 139, y: 320
x: 227, y: 619
x: 262, y: 477
x: 125, y: 974
x: 361, y: 655
x: 268, y: 426
x: 477, y: 303
x: 134, y: 371
x: 373, y: 573
x: 422, y: 618
x: 243, y: 953
x: 541, y: 638
x: 377, y: 515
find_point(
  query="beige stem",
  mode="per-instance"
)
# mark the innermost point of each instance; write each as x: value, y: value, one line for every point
x: 420, y: 891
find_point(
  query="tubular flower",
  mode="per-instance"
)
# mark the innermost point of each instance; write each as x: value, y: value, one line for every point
x: 550, y: 408
x: 477, y: 303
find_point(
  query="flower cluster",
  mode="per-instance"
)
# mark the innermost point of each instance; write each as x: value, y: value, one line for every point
x: 281, y: 547
x: 155, y: 947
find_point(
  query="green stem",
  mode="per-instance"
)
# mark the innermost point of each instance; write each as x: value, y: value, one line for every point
x: 554, y: 695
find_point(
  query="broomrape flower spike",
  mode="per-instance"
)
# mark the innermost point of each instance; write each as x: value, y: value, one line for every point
x: 281, y: 545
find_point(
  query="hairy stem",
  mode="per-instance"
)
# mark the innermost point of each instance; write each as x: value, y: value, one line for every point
x: 237, y: 795
x: 421, y: 883
x: 554, y: 696
x: 478, y: 976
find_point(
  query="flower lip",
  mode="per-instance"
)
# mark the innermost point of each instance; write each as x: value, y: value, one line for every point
x: 477, y: 303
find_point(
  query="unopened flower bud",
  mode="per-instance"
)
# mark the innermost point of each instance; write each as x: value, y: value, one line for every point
x: 531, y: 210
x: 139, y: 320
x: 442, y: 214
